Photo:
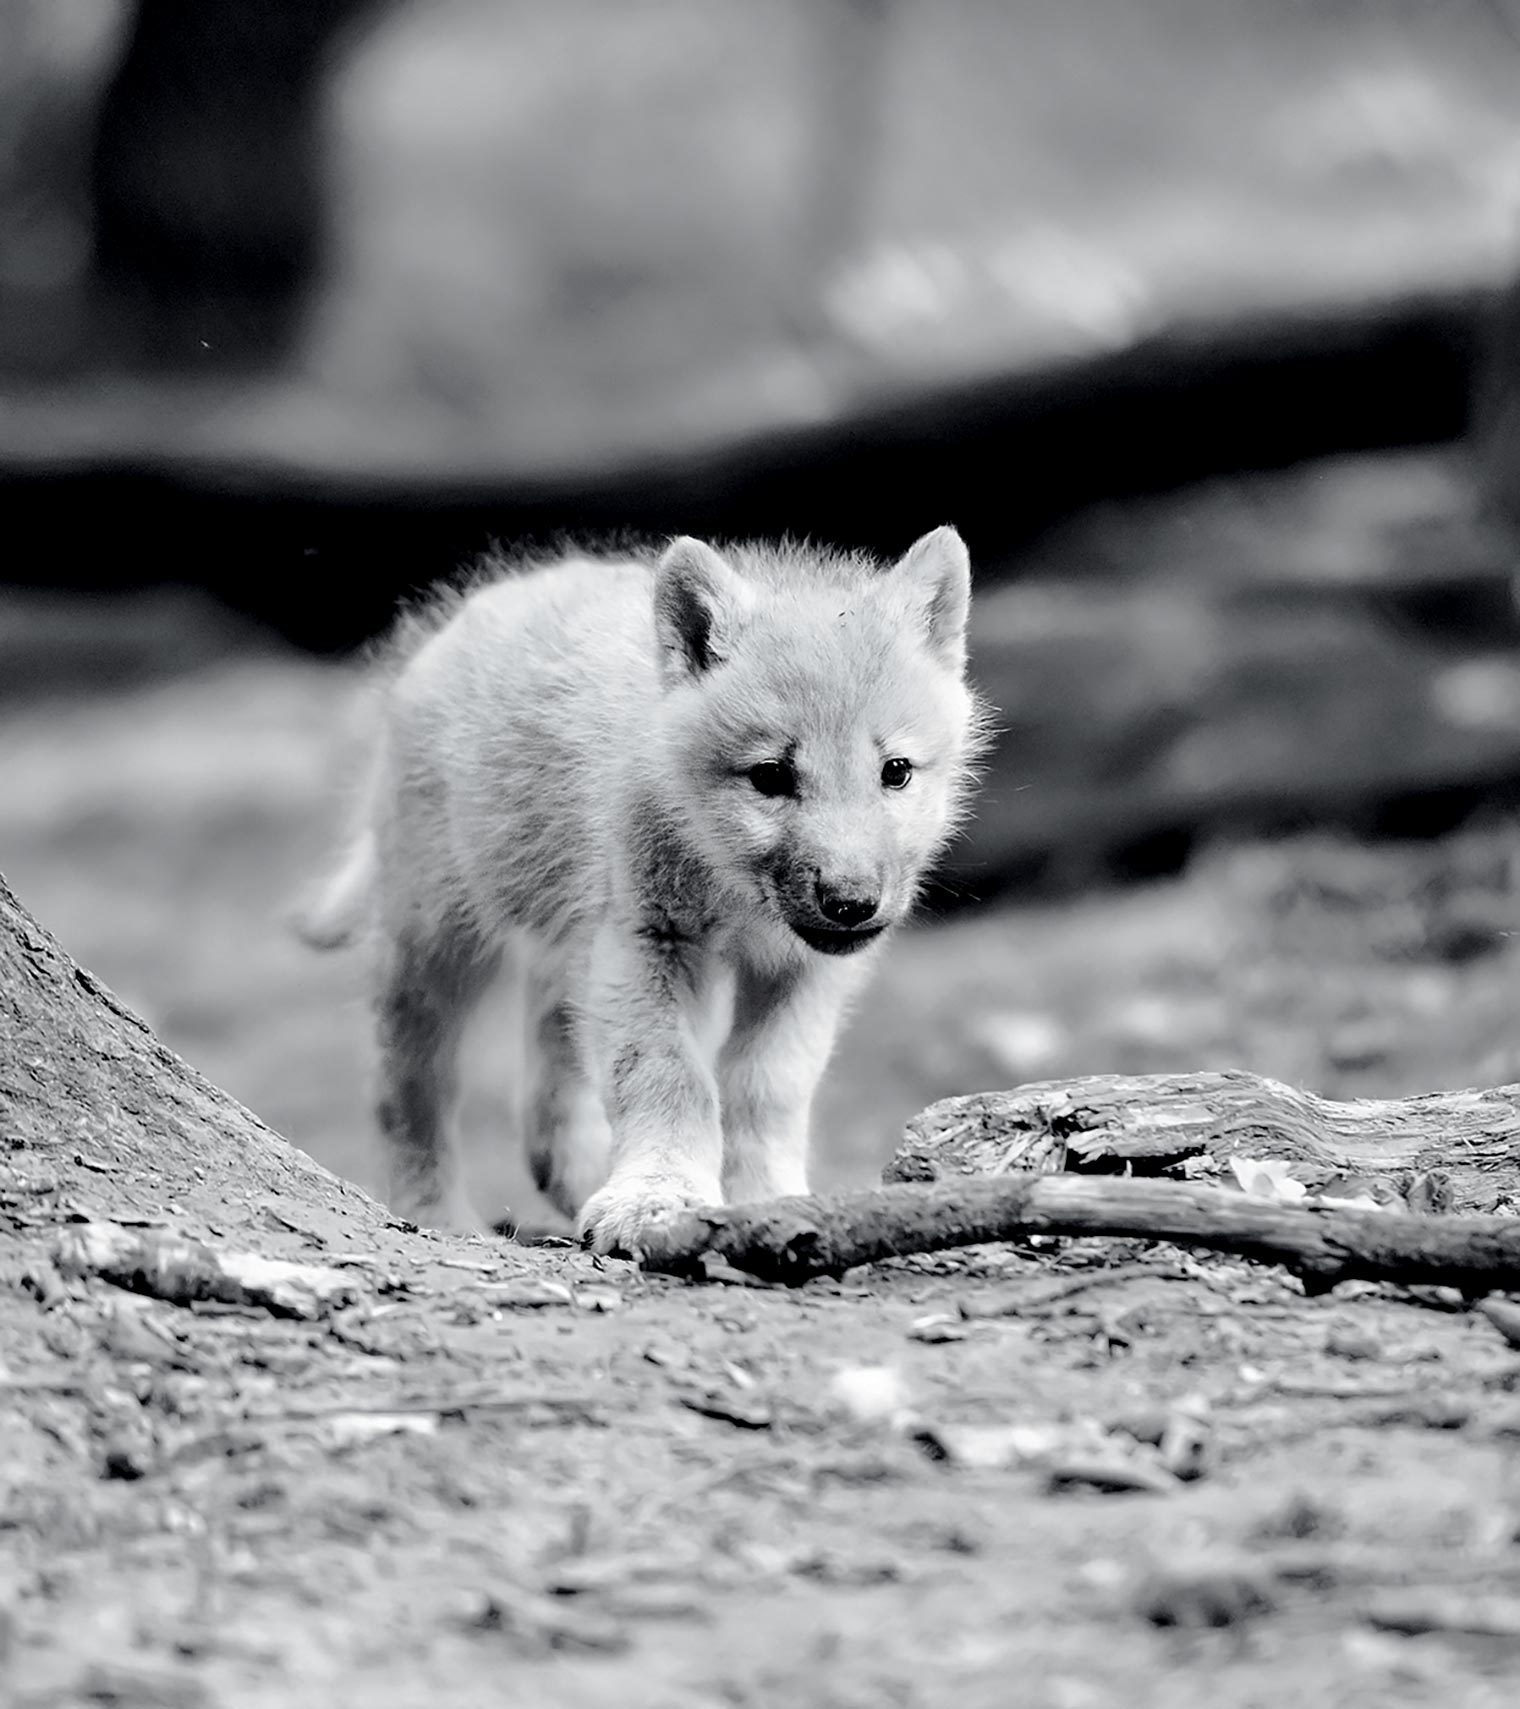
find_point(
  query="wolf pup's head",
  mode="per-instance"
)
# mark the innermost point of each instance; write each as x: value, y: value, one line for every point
x: 820, y: 724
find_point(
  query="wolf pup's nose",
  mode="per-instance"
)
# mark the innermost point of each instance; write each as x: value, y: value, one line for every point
x: 845, y: 905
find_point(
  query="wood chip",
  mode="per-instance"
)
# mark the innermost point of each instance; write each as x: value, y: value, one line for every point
x: 171, y: 1267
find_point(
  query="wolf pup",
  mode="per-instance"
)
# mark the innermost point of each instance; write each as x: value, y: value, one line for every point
x: 683, y: 801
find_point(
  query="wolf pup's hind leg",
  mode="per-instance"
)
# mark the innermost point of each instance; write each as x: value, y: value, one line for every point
x: 568, y: 1136
x: 427, y: 988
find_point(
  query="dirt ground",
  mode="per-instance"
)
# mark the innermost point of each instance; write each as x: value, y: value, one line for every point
x: 513, y: 1475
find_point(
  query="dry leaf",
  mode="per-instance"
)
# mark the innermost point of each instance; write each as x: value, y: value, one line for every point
x: 1267, y: 1178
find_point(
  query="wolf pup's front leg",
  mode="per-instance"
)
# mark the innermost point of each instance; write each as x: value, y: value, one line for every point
x: 784, y: 1025
x: 642, y: 1033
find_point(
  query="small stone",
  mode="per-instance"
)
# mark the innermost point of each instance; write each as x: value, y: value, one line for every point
x: 937, y: 1327
x: 1195, y: 1598
x: 1349, y: 1343
x: 1504, y: 1315
x: 870, y: 1394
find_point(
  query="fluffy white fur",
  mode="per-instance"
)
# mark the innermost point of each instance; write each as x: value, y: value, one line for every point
x: 565, y: 786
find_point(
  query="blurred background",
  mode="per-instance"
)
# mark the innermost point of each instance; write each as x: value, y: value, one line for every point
x: 1198, y: 317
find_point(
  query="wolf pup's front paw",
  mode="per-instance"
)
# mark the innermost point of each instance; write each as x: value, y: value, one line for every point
x: 614, y: 1220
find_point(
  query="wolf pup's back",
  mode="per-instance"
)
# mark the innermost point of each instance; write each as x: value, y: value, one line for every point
x: 683, y: 801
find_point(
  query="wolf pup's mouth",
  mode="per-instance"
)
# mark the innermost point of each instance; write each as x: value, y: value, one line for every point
x: 837, y: 940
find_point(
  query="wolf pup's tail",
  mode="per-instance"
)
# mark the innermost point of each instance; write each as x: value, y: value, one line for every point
x: 339, y: 913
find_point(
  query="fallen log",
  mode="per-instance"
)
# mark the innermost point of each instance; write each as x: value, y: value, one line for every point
x: 797, y: 1239
x: 1147, y: 1122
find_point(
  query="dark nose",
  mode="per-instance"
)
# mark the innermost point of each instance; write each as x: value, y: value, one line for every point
x: 846, y: 904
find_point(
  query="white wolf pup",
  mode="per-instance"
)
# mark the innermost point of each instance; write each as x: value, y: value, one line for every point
x: 683, y: 800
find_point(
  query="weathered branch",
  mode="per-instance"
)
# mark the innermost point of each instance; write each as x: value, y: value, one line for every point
x: 794, y: 1240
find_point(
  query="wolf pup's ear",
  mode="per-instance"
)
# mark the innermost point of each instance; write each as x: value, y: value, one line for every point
x: 698, y: 602
x: 938, y: 568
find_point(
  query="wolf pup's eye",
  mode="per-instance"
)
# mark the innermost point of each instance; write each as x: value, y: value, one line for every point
x: 895, y: 774
x: 773, y: 777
